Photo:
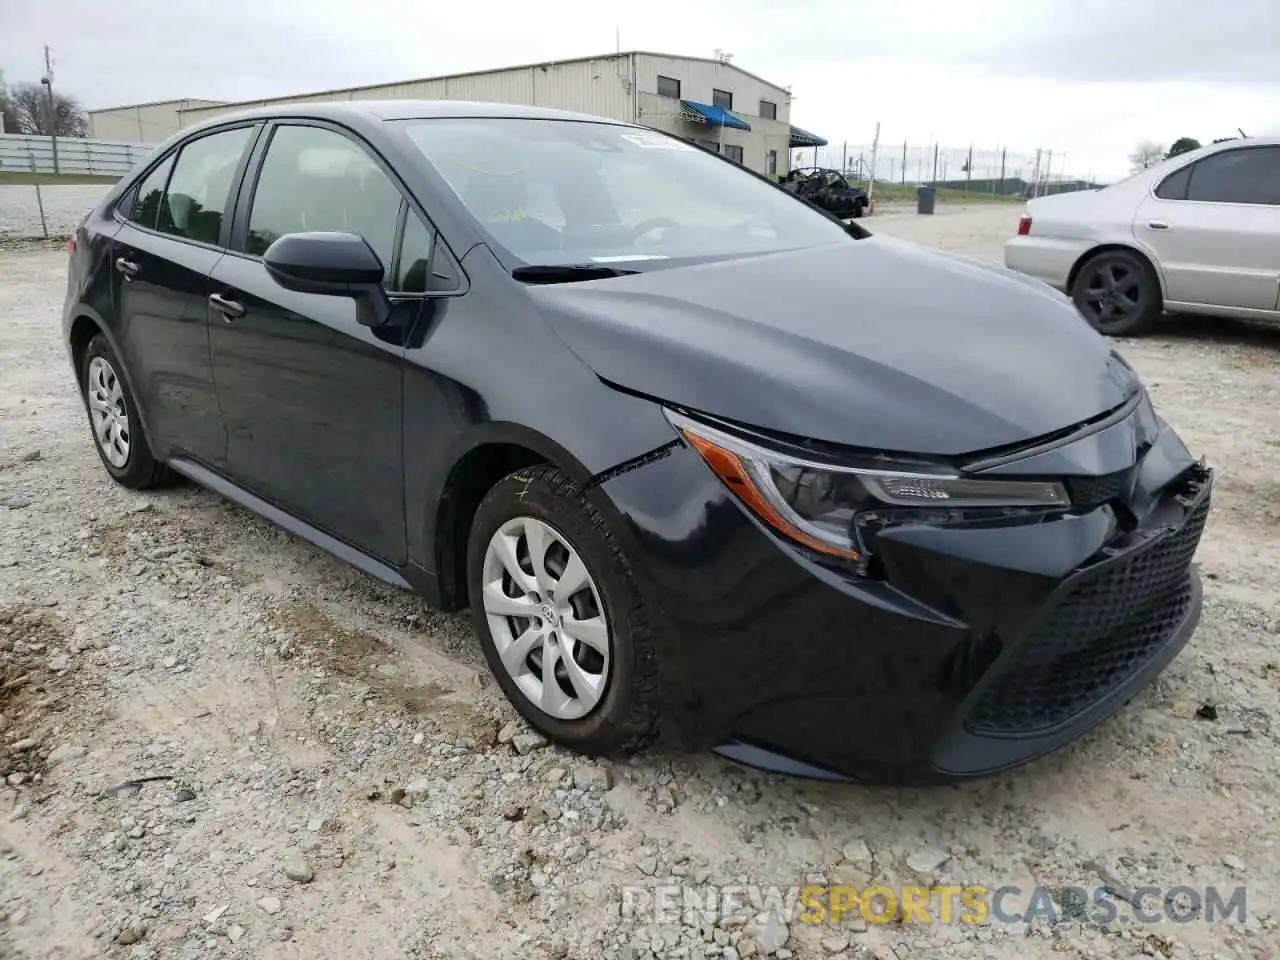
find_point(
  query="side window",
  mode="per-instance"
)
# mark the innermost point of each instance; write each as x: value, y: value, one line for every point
x: 197, y: 196
x: 415, y: 257
x: 1245, y: 175
x: 668, y: 87
x: 1174, y: 186
x: 733, y: 152
x: 768, y: 110
x: 149, y: 194
x: 316, y: 179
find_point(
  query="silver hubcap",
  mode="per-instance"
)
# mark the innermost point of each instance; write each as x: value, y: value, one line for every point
x: 106, y: 407
x: 546, y: 618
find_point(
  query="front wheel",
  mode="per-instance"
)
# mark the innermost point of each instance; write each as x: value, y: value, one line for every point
x: 1118, y: 293
x: 559, y: 617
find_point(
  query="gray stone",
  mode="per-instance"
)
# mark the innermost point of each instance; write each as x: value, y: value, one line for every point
x: 771, y: 932
x: 508, y: 732
x: 927, y: 859
x: 589, y: 777
x: 858, y: 853
x: 296, y: 868
x: 269, y: 905
x: 134, y: 929
x: 63, y: 753
x: 528, y: 742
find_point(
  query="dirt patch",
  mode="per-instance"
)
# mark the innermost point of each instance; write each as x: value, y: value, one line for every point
x: 31, y: 639
x: 275, y: 691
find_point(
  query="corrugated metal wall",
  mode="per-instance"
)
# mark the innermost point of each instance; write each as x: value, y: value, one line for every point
x: 143, y: 123
x: 699, y: 77
x: 600, y: 87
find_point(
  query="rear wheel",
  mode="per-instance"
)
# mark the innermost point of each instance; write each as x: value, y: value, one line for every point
x: 559, y: 618
x: 113, y: 418
x: 1117, y: 292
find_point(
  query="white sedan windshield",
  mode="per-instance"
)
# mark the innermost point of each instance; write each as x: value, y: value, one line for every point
x: 564, y: 191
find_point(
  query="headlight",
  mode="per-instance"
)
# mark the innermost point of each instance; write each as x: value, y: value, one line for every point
x: 837, y: 510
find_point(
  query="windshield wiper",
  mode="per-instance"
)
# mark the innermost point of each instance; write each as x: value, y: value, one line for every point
x: 567, y: 272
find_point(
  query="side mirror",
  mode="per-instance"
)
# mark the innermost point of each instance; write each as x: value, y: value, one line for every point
x: 333, y: 264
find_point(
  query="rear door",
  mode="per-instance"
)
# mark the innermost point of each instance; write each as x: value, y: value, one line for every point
x: 312, y: 399
x: 171, y: 238
x: 1214, y: 226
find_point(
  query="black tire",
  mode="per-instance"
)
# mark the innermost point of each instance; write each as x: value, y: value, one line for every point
x: 1118, y: 293
x: 625, y: 718
x: 140, y: 469
x: 859, y: 209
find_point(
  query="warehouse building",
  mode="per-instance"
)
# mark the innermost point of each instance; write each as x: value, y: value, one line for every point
x: 710, y: 101
x: 142, y: 122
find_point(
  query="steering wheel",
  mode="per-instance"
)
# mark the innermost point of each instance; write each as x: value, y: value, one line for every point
x: 648, y: 226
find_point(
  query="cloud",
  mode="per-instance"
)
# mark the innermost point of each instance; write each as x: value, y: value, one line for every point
x: 1085, y: 77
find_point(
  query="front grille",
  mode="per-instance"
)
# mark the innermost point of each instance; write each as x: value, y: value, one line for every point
x: 1100, y: 634
x: 1092, y: 491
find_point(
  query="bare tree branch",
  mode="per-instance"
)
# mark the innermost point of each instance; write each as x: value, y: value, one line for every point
x: 1146, y: 153
x: 29, y: 104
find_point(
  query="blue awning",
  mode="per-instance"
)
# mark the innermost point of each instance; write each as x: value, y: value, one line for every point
x: 715, y: 116
x: 803, y: 138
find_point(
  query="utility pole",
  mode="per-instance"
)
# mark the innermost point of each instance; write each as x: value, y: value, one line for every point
x: 871, y: 174
x: 47, y: 80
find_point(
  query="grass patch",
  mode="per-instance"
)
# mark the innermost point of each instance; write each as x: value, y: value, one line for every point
x: 21, y: 178
x: 895, y: 191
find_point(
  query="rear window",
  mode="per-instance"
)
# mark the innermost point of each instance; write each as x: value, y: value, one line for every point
x: 1174, y: 186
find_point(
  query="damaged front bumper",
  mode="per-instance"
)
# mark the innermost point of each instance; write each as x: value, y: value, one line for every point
x: 977, y: 649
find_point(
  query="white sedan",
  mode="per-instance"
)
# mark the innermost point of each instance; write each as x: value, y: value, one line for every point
x: 1198, y: 233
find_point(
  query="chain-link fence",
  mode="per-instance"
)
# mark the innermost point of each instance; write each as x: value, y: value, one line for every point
x: 997, y: 171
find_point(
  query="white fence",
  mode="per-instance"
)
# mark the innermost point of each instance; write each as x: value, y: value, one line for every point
x: 20, y: 153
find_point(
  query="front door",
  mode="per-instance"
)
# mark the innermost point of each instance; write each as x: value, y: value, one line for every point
x: 312, y: 399
x: 1215, y: 229
x: 162, y: 258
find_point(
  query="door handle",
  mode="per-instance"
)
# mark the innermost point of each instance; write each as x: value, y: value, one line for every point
x: 1157, y: 225
x: 128, y: 267
x: 229, y: 309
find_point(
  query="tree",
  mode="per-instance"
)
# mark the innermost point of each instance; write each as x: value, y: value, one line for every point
x: 1183, y: 145
x: 1146, y: 154
x: 8, y: 114
x: 31, y: 114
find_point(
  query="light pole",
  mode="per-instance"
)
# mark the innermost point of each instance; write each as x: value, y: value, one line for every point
x: 47, y: 80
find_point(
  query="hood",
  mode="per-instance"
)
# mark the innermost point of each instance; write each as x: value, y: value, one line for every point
x: 878, y: 344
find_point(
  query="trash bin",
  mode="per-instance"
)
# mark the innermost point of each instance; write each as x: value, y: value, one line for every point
x: 925, y: 197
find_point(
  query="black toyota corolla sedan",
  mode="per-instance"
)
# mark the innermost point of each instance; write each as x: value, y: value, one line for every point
x: 702, y: 461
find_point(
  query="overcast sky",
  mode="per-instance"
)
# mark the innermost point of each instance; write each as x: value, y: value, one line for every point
x: 1088, y: 78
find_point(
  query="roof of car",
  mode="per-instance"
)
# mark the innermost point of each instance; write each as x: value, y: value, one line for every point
x: 405, y: 110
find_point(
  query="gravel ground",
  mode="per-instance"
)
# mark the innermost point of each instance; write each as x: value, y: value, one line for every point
x: 64, y: 208
x: 220, y: 742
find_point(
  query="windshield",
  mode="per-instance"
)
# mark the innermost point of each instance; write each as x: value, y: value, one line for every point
x: 570, y: 192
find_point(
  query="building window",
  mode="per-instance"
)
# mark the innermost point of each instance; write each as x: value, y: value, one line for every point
x: 722, y: 99
x: 668, y: 87
x: 771, y: 162
x: 709, y: 145
x: 733, y: 152
x: 768, y: 110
